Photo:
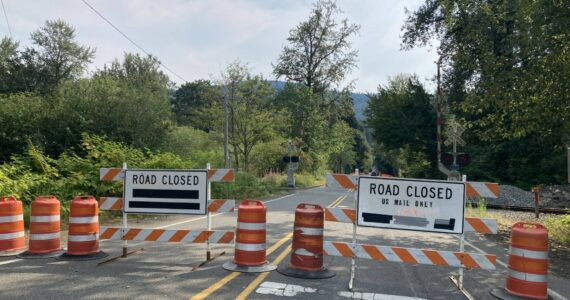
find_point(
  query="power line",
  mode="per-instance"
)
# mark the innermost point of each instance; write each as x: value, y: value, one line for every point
x: 6, y: 17
x: 129, y: 39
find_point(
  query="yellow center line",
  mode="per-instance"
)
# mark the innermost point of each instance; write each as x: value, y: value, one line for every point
x: 259, y: 279
x: 220, y: 283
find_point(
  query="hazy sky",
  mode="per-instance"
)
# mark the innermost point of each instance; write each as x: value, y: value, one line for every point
x: 197, y: 39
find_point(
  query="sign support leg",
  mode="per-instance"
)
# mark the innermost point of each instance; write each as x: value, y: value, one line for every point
x: 353, y: 260
x: 208, y: 217
x: 125, y: 223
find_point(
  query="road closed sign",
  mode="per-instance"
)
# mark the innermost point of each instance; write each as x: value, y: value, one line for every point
x: 412, y: 204
x: 166, y: 191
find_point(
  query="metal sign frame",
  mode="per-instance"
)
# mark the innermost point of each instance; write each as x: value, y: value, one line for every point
x: 411, y: 219
x: 178, y: 194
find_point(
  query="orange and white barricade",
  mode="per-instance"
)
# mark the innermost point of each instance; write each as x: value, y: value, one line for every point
x: 207, y: 236
x: 528, y: 263
x: 44, y: 228
x: 307, y: 247
x: 12, y: 238
x: 409, y: 255
x: 251, y: 234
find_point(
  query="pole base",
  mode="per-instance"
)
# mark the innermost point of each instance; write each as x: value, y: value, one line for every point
x: 30, y: 255
x: 502, y: 294
x: 298, y: 273
x: 11, y: 253
x: 267, y: 267
x: 70, y: 257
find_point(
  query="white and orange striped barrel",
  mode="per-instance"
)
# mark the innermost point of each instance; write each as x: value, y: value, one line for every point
x: 83, y: 236
x: 44, y: 225
x: 251, y: 234
x: 528, y: 261
x: 11, y: 225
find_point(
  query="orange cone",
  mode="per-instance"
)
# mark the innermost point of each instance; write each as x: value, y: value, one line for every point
x: 528, y: 263
x: 83, y: 238
x: 250, y: 247
x: 44, y: 228
x: 12, y: 238
x: 307, y: 247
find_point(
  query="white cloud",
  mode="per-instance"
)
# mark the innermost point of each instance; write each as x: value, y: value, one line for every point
x: 198, y: 38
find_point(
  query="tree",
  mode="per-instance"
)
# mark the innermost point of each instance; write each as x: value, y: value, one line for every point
x: 194, y: 102
x: 401, y: 117
x: 319, y: 52
x: 56, y: 56
x: 503, y: 61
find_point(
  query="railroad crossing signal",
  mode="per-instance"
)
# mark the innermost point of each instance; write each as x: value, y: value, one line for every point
x: 454, y: 131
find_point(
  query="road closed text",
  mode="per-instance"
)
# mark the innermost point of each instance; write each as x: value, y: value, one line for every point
x: 166, y: 179
x: 440, y: 193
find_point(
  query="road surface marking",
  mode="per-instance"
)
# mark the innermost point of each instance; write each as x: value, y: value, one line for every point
x: 243, y: 295
x: 10, y: 261
x: 551, y: 292
x: 373, y: 296
x: 214, y: 287
x: 283, y: 289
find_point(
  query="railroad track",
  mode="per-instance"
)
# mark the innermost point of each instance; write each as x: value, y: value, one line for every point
x: 560, y: 211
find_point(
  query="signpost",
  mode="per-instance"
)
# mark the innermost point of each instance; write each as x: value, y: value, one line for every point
x: 412, y: 204
x: 166, y: 191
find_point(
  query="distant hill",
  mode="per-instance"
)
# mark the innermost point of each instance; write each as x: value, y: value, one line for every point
x: 360, y: 100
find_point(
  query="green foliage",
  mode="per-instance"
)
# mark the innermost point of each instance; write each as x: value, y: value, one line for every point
x: 319, y: 53
x: 196, y: 145
x: 401, y: 118
x: 197, y: 104
x: 502, y: 63
x: 559, y: 229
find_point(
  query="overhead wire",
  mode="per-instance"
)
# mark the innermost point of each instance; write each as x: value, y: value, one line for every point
x: 131, y: 40
x: 12, y: 38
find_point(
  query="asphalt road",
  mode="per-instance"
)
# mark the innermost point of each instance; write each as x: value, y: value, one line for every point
x: 166, y: 270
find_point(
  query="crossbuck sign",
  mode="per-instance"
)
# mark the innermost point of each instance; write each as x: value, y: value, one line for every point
x: 413, y: 204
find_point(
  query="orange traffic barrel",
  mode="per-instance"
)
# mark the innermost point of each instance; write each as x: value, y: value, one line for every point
x: 44, y: 228
x: 250, y: 242
x: 12, y: 238
x: 83, y: 237
x: 307, y: 248
x: 527, y: 263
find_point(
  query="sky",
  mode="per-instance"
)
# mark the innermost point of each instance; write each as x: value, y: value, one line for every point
x: 197, y: 39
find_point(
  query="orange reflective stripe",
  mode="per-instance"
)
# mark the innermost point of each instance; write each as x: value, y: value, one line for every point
x: 344, y: 181
x: 227, y: 237
x: 40, y: 228
x: 252, y: 217
x: 10, y: 211
x: 245, y: 237
x: 435, y: 258
x: 343, y: 249
x: 11, y: 227
x: 154, y: 235
x: 229, y: 176
x: 44, y: 210
x: 467, y: 260
x: 351, y: 213
x: 203, y: 236
x: 374, y: 252
x: 179, y: 235
x: 131, y: 234
x: 493, y: 187
x: 470, y: 191
x: 111, y: 173
x: 528, y: 265
x: 215, y: 205
x: 404, y: 255
x: 478, y: 225
x: 84, y: 211
x: 528, y: 243
x: 108, y: 233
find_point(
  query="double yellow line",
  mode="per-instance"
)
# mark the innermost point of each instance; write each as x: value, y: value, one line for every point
x: 243, y: 295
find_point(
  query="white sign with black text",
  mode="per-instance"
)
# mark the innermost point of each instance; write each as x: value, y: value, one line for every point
x: 413, y: 204
x: 166, y: 191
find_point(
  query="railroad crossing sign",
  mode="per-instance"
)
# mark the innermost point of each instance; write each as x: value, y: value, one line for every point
x: 453, y: 131
x: 166, y: 191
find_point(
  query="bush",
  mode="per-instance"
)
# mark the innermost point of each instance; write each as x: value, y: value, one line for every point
x: 559, y: 229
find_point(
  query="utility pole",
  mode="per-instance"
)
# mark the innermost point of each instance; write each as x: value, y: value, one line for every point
x: 440, y: 166
x: 227, y: 163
